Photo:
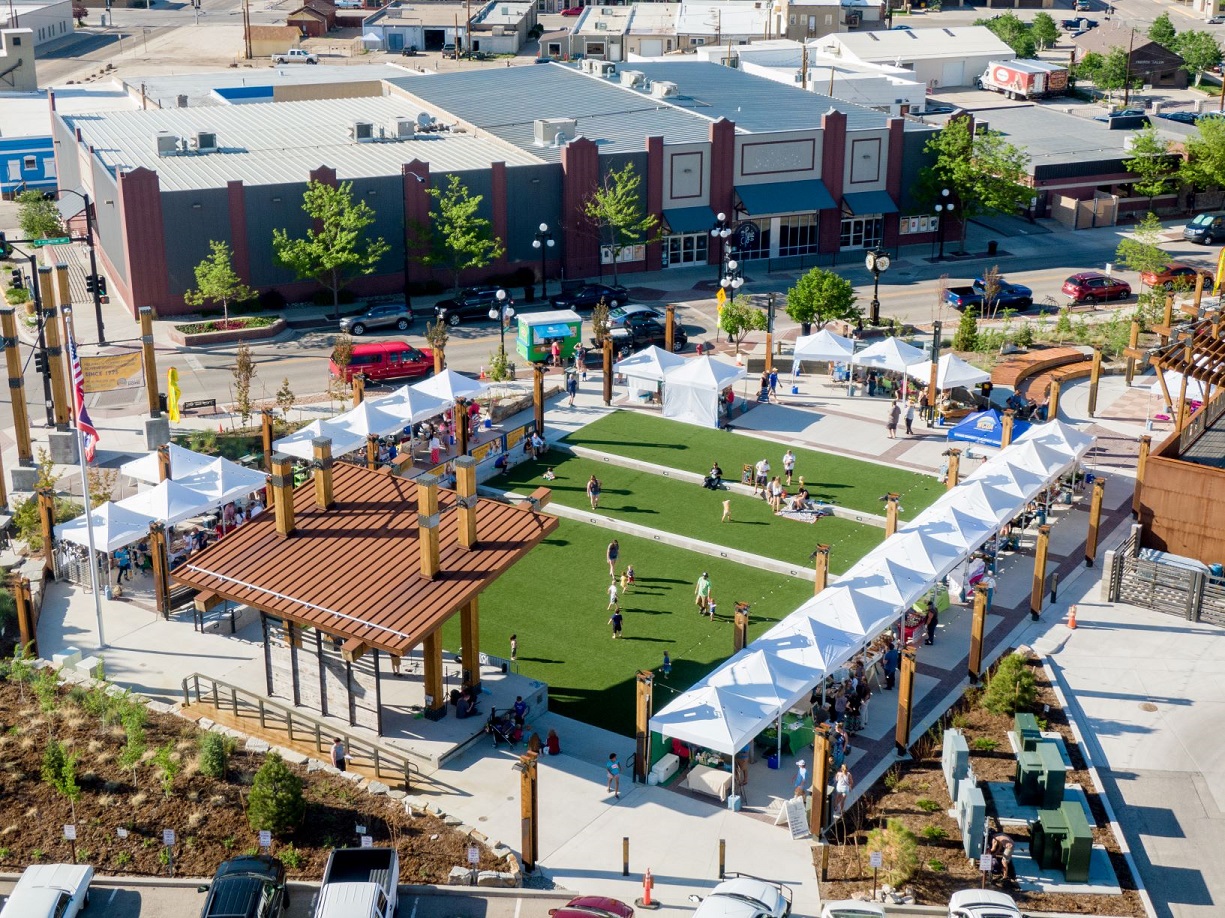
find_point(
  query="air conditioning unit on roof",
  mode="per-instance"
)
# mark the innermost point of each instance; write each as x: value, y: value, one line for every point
x: 167, y: 143
x: 362, y: 131
x: 663, y: 89
x: 204, y: 142
x: 402, y: 128
x: 548, y: 129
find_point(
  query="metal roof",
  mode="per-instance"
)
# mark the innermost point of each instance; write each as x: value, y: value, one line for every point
x: 280, y: 142
x: 1052, y: 137
x: 727, y: 17
x: 920, y: 44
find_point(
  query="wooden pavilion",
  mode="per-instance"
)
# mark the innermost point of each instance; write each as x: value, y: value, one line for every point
x: 373, y: 564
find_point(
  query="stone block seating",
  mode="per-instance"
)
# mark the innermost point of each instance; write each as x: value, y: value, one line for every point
x: 1031, y: 373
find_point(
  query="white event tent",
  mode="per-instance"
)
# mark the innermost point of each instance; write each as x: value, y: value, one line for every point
x: 299, y: 443
x: 222, y: 481
x: 168, y: 502
x: 183, y: 462
x: 951, y: 372
x: 410, y: 405
x: 367, y: 420
x: 890, y: 354
x: 648, y: 367
x: 114, y: 527
x: 728, y: 708
x: 824, y: 346
x: 692, y: 391
x: 450, y: 385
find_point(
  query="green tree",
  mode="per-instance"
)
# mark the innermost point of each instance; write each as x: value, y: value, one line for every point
x: 1199, y: 52
x: 336, y: 248
x: 1012, y: 687
x: 285, y: 398
x: 1114, y: 73
x: 985, y: 173
x: 1014, y: 32
x: 276, y: 802
x: 899, y: 850
x: 615, y: 209
x: 1088, y: 67
x: 60, y: 771
x: 38, y: 216
x: 215, y: 755
x: 739, y: 317
x: 821, y: 296
x: 167, y: 766
x: 1204, y: 166
x: 1141, y: 251
x: 1044, y: 31
x: 463, y: 240
x: 1152, y: 163
x: 217, y: 282
x: 966, y: 336
x: 1162, y: 31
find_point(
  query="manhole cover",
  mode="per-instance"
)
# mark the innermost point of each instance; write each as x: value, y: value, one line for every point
x: 1148, y: 706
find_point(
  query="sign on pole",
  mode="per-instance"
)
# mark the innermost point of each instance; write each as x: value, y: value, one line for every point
x: 721, y: 297
x: 876, y: 860
x: 474, y: 855
x: 168, y: 837
x: 367, y: 841
x: 265, y: 838
x: 70, y: 833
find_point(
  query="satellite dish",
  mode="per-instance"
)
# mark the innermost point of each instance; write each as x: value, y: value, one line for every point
x: 424, y: 120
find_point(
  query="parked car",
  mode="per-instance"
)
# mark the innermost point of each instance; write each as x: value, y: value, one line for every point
x: 50, y: 891
x: 1176, y: 274
x: 296, y: 56
x: 746, y: 897
x: 1082, y: 6
x: 1008, y: 295
x: 1093, y: 287
x: 982, y: 903
x: 1180, y: 117
x: 1205, y: 229
x: 592, y: 907
x: 448, y: 50
x: 939, y: 108
x: 852, y: 908
x: 633, y: 312
x: 644, y: 332
x: 573, y: 11
x: 385, y: 315
x: 379, y: 360
x: 588, y: 296
x: 472, y: 303
x: 252, y: 886
x: 1078, y: 25
x: 359, y: 883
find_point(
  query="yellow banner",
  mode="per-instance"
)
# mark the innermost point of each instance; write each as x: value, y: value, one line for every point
x: 1220, y: 269
x: 118, y: 371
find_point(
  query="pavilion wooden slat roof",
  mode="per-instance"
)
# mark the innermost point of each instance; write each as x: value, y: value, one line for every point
x: 354, y: 571
x: 1199, y: 356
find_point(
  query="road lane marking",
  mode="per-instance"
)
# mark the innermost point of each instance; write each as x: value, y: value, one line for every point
x: 518, y: 907
x: 111, y: 897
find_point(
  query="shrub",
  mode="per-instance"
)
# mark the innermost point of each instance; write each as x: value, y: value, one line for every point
x: 291, y: 857
x: 966, y: 338
x: 123, y: 859
x: 935, y: 866
x: 985, y: 744
x: 276, y: 802
x: 214, y: 756
x: 899, y: 850
x: 926, y: 805
x: 46, y: 690
x: 1011, y: 688
x: 167, y: 767
x: 933, y: 833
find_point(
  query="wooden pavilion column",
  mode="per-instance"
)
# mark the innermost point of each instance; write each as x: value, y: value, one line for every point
x: 818, y: 815
x: 470, y: 642
x: 954, y: 473
x: 163, y: 462
x: 148, y: 362
x: 1167, y: 319
x: 1006, y: 423
x: 46, y: 526
x: 905, y: 701
x: 821, y: 559
x: 645, y: 682
x: 265, y: 430
x: 1039, y: 586
x: 372, y: 451
x: 1133, y: 342
x: 1095, y: 520
x: 1146, y: 445
x: 281, y: 482
x: 529, y: 811
x: 459, y: 414
x: 55, y: 350
x: 161, y: 568
x: 538, y: 397
x: 608, y: 370
x: 978, y: 629
x: 20, y: 588
x: 321, y: 448
x: 465, y: 488
x: 17, y: 391
x: 435, y: 699
x: 891, y: 500
x: 740, y: 627
x: 1095, y: 378
x: 427, y: 525
x: 439, y: 358
x: 1052, y: 400
x: 359, y: 388
x: 670, y: 318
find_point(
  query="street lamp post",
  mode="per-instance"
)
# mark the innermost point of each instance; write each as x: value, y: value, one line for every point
x: 721, y: 232
x: 944, y: 211
x: 94, y: 286
x: 878, y: 263
x: 503, y: 312
x: 731, y: 280
x: 544, y: 242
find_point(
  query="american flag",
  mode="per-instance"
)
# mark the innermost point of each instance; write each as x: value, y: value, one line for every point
x: 89, y: 433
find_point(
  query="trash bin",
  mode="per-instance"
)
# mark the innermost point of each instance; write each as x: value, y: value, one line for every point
x: 772, y: 761
x: 992, y: 247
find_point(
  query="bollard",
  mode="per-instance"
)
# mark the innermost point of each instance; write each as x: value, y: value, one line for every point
x: 625, y: 855
x: 824, y: 846
x: 1055, y: 587
x: 722, y: 857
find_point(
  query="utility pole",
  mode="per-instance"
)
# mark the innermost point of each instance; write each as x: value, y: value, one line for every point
x: 246, y: 27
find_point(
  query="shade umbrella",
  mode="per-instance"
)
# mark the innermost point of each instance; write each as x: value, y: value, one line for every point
x: 824, y: 345
x: 450, y: 385
x: 222, y: 481
x: 183, y: 462
x: 890, y: 354
x: 168, y: 502
x: 114, y: 527
x: 951, y: 372
x: 410, y: 405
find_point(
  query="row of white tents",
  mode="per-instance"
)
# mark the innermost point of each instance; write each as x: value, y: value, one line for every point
x: 727, y: 709
x: 891, y: 354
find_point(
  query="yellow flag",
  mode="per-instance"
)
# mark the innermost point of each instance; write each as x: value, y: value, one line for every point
x: 172, y: 394
x: 1220, y: 269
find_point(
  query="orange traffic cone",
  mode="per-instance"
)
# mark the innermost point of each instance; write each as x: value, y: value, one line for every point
x: 1072, y: 617
x: 482, y: 376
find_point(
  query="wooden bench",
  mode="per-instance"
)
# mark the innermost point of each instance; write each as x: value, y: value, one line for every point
x: 1038, y: 387
x: 1017, y: 368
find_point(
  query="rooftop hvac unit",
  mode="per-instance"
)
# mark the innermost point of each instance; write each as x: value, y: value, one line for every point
x: 605, y: 11
x: 402, y: 128
x: 548, y: 129
x: 604, y: 69
x: 632, y: 78
x: 182, y: 101
x: 362, y: 131
x: 663, y: 89
x: 204, y: 142
x: 167, y: 143
x: 601, y: 26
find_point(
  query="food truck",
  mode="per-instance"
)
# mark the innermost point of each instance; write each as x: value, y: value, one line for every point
x: 538, y: 331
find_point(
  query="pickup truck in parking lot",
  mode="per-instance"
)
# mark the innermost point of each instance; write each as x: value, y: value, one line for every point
x: 296, y: 56
x: 1008, y: 296
x: 359, y: 883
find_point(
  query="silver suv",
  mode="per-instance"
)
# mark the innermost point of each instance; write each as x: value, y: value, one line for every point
x: 386, y: 315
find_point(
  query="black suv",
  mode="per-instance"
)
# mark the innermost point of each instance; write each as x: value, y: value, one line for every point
x: 589, y: 296
x: 643, y: 332
x: 252, y: 886
x: 472, y: 303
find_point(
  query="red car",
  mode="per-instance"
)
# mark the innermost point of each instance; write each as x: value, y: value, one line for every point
x: 1093, y: 287
x: 1176, y: 274
x: 386, y: 360
x: 573, y: 11
x: 592, y: 907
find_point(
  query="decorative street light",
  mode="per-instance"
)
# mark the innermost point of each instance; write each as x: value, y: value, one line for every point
x: 732, y: 279
x: 544, y: 242
x: 721, y: 232
x: 944, y: 212
x: 878, y: 263
x: 504, y: 312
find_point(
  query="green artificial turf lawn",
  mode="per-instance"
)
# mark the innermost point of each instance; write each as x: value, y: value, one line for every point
x: 848, y: 482
x: 555, y: 600
x: 679, y: 507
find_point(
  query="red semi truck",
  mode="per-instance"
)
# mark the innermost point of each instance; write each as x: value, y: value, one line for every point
x: 1024, y: 79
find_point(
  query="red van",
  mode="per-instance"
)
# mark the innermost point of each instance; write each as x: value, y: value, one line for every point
x: 386, y: 360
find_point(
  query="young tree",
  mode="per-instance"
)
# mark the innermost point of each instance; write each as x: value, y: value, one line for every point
x: 599, y: 322
x: 217, y: 282
x: 615, y: 209
x: 1044, y: 31
x: 1114, y: 73
x: 1152, y: 163
x: 1014, y: 32
x: 984, y: 172
x: 244, y: 371
x: 739, y: 317
x: 342, y: 354
x: 276, y: 802
x: 1204, y: 167
x: 1199, y: 52
x: 1011, y: 688
x: 1088, y: 67
x: 991, y: 291
x: 285, y: 398
x: 38, y: 216
x: 437, y: 336
x: 966, y: 336
x: 1141, y: 251
x: 336, y: 248
x: 821, y: 296
x: 1162, y: 31
x: 462, y: 240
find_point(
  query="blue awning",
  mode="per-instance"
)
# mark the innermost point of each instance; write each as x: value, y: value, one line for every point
x: 690, y: 219
x: 785, y: 198
x: 863, y: 203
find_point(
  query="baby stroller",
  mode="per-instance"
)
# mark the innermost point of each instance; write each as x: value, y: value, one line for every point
x: 502, y: 728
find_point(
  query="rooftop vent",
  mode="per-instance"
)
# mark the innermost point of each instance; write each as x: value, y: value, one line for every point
x: 663, y: 89
x: 167, y: 143
x: 182, y: 100
x: 204, y: 142
x: 402, y: 128
x: 550, y: 130
x: 632, y: 78
x: 362, y: 131
x: 603, y: 69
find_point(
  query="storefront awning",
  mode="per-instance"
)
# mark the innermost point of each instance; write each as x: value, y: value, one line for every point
x: 785, y: 198
x: 690, y: 219
x: 865, y: 203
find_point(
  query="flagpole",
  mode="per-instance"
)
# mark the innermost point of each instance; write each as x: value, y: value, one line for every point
x: 89, y: 520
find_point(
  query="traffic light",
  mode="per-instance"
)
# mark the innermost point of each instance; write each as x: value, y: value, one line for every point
x: 4, y: 245
x: 90, y: 282
x: 101, y: 285
x: 40, y: 362
x: 19, y: 280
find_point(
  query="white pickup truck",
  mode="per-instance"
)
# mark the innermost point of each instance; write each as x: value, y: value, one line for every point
x: 296, y: 56
x: 359, y: 883
x: 50, y: 891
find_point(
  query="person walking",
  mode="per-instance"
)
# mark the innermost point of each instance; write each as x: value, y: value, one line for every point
x: 909, y: 418
x: 593, y: 492
x: 871, y: 383
x: 614, y: 775
x: 123, y: 560
x: 801, y: 779
x: 612, y: 593
x: 616, y: 621
x: 843, y: 782
x: 340, y: 755
x: 614, y: 552
x: 435, y: 449
x: 701, y: 592
x: 572, y: 387
x: 667, y: 667
x: 890, y: 664
x: 931, y: 620
x: 395, y: 664
x: 761, y: 476
x: 514, y: 648
x: 895, y: 412
x: 789, y: 465
x: 774, y: 384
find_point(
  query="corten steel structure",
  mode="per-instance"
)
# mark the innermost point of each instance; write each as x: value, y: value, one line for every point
x: 370, y: 562
x: 1180, y: 488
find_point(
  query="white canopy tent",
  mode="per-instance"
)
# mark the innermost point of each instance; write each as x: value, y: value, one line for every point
x: 450, y: 385
x: 222, y: 481
x: 367, y: 419
x: 114, y: 527
x: 168, y: 502
x: 183, y: 462
x: 763, y: 677
x: 299, y: 442
x: 808, y: 642
x: 824, y: 345
x: 410, y: 405
x: 648, y: 367
x: 692, y: 391
x: 951, y: 372
x: 1173, y: 384
x: 714, y: 718
x: 1061, y: 436
x: 889, y: 354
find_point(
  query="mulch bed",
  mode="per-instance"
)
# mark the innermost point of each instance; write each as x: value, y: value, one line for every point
x: 208, y: 815
x: 944, y: 868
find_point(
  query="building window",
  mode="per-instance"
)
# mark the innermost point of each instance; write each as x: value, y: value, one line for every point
x: 862, y: 232
x: 49, y: 167
x: 791, y: 19
x: 685, y: 249
x: 30, y: 163
x: 595, y: 49
x: 697, y: 41
x: 14, y: 171
x: 797, y: 235
x: 628, y: 254
x: 554, y: 49
x: 759, y: 247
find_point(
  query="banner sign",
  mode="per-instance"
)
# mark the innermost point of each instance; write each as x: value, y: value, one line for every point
x: 113, y: 371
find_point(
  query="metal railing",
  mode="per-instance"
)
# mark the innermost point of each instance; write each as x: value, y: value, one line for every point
x: 299, y: 727
x: 1200, y: 422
